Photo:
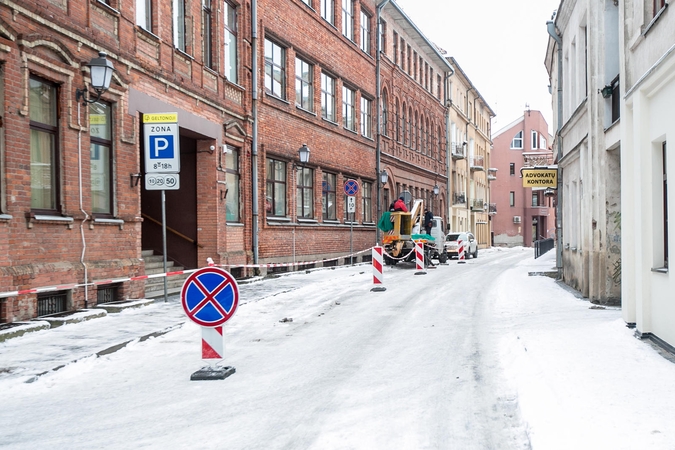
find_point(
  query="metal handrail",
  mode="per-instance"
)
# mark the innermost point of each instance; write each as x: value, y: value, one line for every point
x: 177, y: 233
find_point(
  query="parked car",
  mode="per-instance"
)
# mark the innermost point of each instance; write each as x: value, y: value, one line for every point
x: 468, y: 242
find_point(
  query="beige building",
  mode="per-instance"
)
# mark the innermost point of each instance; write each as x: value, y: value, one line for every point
x: 469, y: 136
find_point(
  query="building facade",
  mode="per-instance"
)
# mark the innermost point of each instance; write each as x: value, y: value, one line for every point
x: 524, y: 214
x: 583, y: 63
x: 470, y: 144
x: 413, y: 143
x: 646, y: 96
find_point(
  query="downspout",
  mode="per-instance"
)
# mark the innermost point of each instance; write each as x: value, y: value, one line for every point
x: 86, y: 216
x: 448, y: 148
x: 378, y: 93
x: 551, y: 28
x: 254, y: 143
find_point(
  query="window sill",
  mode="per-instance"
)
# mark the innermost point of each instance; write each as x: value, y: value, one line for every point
x: 278, y: 219
x: 105, y: 221
x: 183, y: 54
x: 329, y: 121
x: 234, y: 224
x: 331, y: 222
x: 651, y: 24
x: 351, y: 131
x: 5, y: 217
x: 147, y: 33
x: 45, y: 218
x: 102, y: 4
x: 307, y: 111
x: 282, y: 100
x: 307, y: 221
x: 660, y: 269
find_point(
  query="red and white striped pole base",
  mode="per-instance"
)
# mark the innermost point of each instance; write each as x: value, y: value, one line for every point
x: 378, y: 277
x: 460, y: 252
x: 212, y: 343
x: 419, y: 258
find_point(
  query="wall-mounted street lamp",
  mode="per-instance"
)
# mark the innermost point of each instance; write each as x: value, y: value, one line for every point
x: 303, y: 153
x: 436, y: 189
x: 101, y: 70
x: 384, y: 177
x: 606, y: 91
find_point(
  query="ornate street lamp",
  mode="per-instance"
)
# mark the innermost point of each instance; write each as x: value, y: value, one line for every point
x: 101, y: 70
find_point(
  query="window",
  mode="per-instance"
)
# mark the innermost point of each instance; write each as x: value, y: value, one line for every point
x: 328, y: 197
x: 366, y: 117
x: 438, y: 87
x: 348, y: 19
x: 365, y: 32
x: 348, y: 119
x: 232, y: 213
x: 512, y: 198
x: 385, y: 115
x: 275, y: 197
x: 100, y: 151
x: 305, y: 193
x: 402, y: 54
x: 383, y: 36
x: 144, y: 14
x: 512, y: 168
x: 517, y: 141
x: 327, y: 97
x: 207, y: 37
x: 230, y: 45
x: 409, y: 62
x: 44, y: 150
x: 535, y: 198
x: 327, y: 11
x: 275, y: 69
x: 661, y: 226
x: 367, y: 202
x: 542, y: 142
x: 397, y: 122
x: 179, y: 25
x: 535, y: 141
x: 395, y: 50
x: 404, y: 125
x: 304, y: 90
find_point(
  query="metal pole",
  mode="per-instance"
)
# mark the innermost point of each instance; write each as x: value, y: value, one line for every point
x: 351, y: 240
x: 164, y: 243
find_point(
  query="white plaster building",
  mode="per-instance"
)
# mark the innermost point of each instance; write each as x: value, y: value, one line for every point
x: 583, y: 58
x: 648, y: 163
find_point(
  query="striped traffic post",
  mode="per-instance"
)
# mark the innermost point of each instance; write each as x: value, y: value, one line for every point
x: 460, y: 252
x: 378, y: 276
x: 212, y: 343
x: 419, y: 258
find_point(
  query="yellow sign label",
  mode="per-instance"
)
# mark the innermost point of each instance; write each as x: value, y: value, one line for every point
x: 540, y: 178
x: 160, y: 118
x: 97, y: 119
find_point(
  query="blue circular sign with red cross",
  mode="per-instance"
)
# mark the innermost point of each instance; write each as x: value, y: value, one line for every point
x: 351, y: 187
x: 210, y: 296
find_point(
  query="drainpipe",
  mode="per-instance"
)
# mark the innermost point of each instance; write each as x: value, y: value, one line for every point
x: 378, y: 88
x: 86, y: 216
x: 448, y: 148
x: 254, y: 143
x: 551, y: 28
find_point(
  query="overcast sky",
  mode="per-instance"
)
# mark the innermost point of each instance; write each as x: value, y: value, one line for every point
x: 500, y: 45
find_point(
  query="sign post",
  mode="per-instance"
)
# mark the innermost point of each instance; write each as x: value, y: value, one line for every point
x: 162, y: 162
x: 210, y: 297
x: 351, y: 188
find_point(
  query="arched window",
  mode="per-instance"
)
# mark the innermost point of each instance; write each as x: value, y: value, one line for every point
x: 385, y: 115
x: 397, y: 113
x: 404, y: 125
x: 439, y: 143
x: 411, y: 131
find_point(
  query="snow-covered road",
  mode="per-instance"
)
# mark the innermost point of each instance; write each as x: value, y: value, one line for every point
x: 468, y: 356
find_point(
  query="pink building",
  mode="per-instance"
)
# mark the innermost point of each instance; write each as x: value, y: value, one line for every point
x: 523, y: 214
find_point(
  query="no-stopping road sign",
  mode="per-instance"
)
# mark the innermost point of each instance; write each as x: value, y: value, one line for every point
x: 210, y: 296
x: 351, y: 187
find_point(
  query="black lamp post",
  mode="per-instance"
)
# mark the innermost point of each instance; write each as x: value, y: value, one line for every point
x: 101, y: 70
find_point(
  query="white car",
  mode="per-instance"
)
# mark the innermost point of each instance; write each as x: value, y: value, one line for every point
x: 468, y: 242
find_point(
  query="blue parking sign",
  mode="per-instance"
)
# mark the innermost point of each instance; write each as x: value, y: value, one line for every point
x: 162, y: 147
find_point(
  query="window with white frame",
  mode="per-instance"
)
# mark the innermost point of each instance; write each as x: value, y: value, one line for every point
x: 230, y: 43
x: 365, y: 32
x: 328, y: 97
x: 304, y: 86
x: 517, y: 142
x: 542, y: 142
x: 366, y: 117
x: 179, y: 25
x: 512, y: 198
x: 275, y: 69
x: 348, y: 19
x: 100, y: 158
x: 348, y: 108
x: 384, y: 123
x: 207, y: 33
x: 535, y: 140
x: 305, y: 193
x: 144, y: 14
x: 660, y: 195
x: 232, y: 209
x: 328, y: 11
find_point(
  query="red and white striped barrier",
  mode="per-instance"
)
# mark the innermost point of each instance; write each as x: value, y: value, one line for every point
x: 212, y: 343
x: 378, y: 265
x: 460, y: 252
x: 419, y: 258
